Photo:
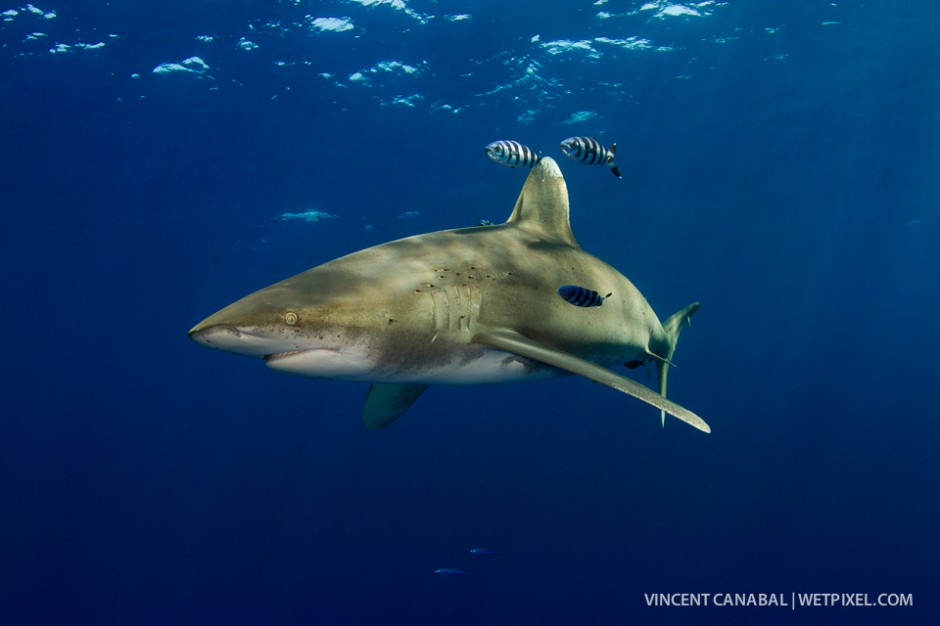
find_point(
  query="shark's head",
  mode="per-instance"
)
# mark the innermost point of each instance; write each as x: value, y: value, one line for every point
x: 288, y: 325
x: 249, y: 326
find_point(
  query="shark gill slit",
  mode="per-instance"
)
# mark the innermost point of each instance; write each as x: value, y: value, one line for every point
x: 439, y: 310
x: 457, y: 306
x: 475, y: 300
x: 465, y: 311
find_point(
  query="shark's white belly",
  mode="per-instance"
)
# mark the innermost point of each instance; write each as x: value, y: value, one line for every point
x: 479, y: 366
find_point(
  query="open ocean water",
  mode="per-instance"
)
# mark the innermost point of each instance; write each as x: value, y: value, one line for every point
x: 158, y: 160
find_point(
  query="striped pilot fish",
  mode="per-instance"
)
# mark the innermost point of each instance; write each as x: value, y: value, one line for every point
x: 589, y: 151
x: 512, y: 154
x: 581, y: 296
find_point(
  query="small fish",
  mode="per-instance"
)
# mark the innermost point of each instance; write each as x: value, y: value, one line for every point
x: 450, y: 571
x: 512, y: 154
x: 484, y: 551
x: 589, y: 151
x: 581, y: 296
x: 484, y: 223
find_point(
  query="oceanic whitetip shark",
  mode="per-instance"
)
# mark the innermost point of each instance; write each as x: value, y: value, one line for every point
x: 466, y: 306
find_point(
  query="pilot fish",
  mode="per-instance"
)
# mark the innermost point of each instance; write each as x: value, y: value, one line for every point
x: 512, y: 154
x: 581, y: 296
x: 589, y: 151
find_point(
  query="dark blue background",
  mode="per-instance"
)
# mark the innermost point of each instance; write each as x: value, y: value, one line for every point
x: 788, y: 180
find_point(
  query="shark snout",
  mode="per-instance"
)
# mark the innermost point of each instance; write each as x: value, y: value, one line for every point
x: 240, y: 340
x: 222, y: 337
x: 207, y: 335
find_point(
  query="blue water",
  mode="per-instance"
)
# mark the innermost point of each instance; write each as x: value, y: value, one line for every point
x: 781, y: 165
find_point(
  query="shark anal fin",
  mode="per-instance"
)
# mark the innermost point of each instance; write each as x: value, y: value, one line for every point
x: 385, y: 402
x: 511, y: 341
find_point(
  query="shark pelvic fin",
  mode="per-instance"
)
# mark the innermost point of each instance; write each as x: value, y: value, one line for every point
x: 385, y: 402
x: 658, y: 358
x: 673, y: 326
x: 511, y: 341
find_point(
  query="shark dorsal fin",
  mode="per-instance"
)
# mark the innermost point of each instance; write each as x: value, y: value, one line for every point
x: 543, y: 204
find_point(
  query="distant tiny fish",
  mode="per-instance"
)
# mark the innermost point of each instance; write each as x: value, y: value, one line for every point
x: 484, y: 551
x: 449, y: 571
x: 512, y: 154
x: 589, y: 151
x: 484, y: 223
x: 307, y: 216
x: 581, y: 296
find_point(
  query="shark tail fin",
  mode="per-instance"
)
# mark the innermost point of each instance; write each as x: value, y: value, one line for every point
x: 673, y: 326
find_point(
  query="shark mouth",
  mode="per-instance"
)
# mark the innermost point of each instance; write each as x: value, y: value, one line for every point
x: 323, y: 363
x: 283, y: 355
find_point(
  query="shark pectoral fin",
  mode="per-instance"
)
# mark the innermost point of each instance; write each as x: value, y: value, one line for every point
x: 511, y: 341
x: 385, y: 402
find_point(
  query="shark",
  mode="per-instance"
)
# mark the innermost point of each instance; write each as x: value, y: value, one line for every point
x: 477, y: 305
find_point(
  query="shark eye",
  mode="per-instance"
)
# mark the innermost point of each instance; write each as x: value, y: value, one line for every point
x: 291, y: 318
